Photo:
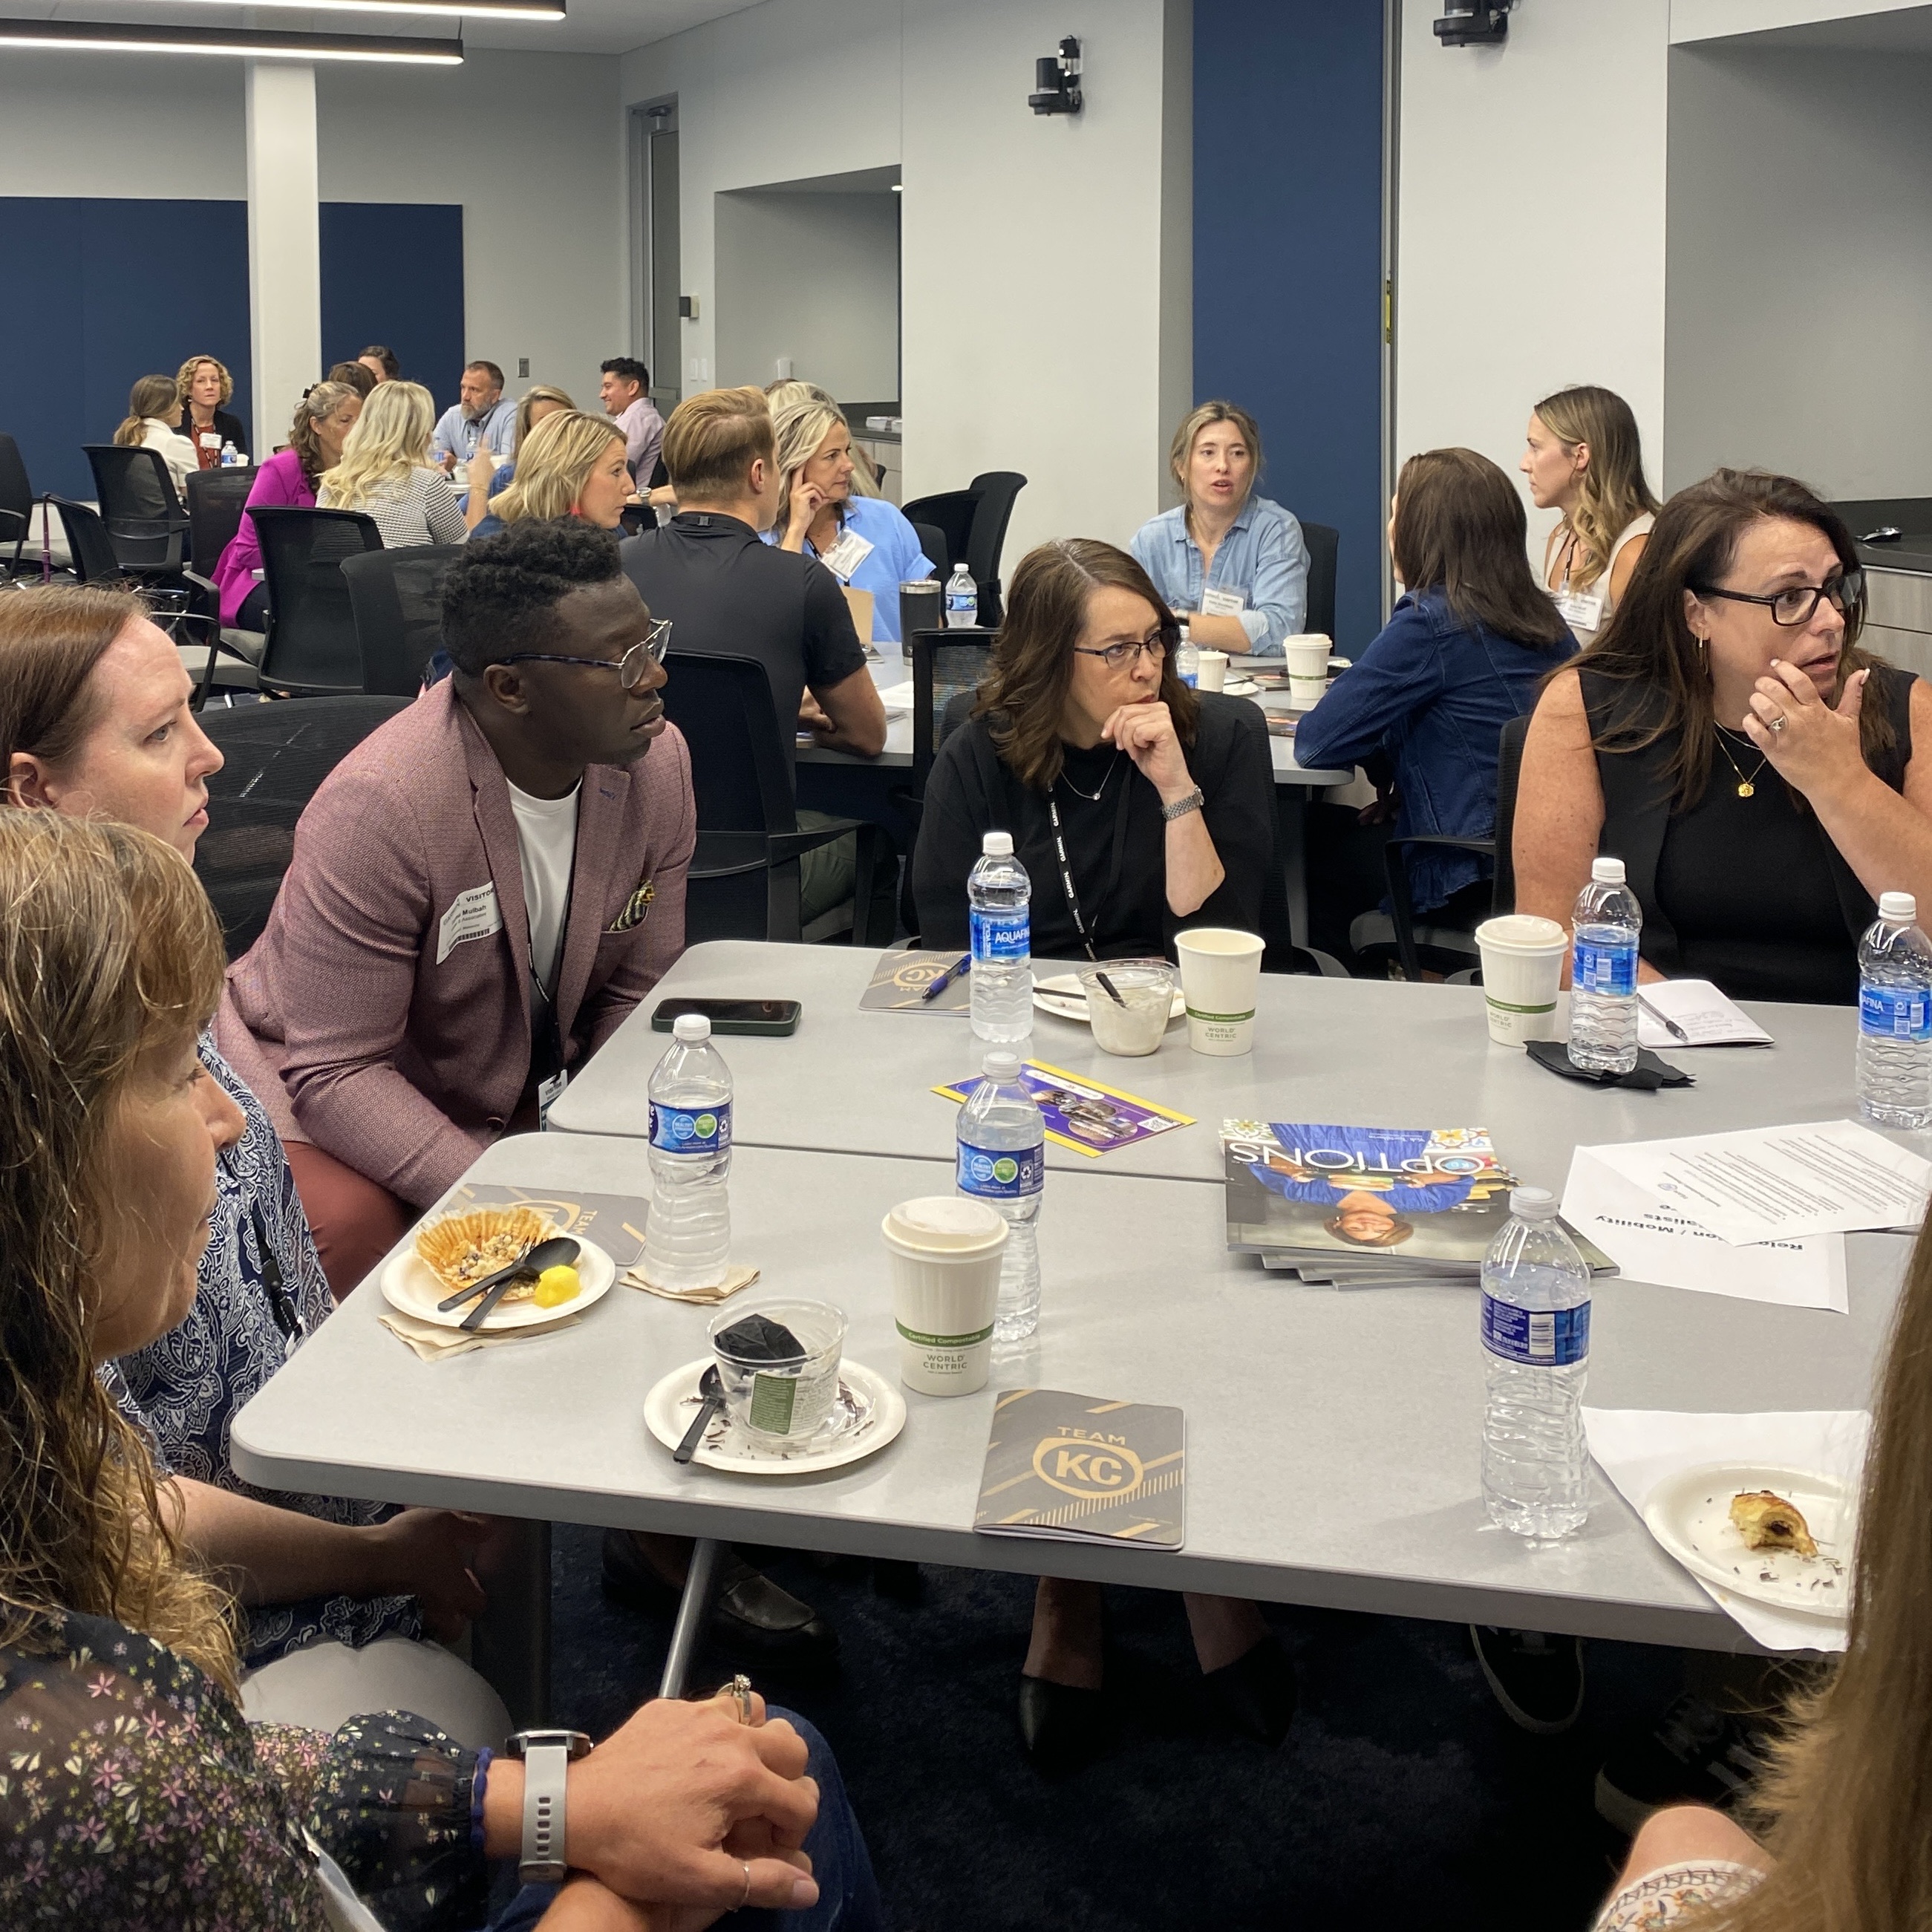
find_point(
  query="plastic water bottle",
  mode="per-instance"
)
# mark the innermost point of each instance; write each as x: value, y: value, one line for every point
x: 1603, y: 972
x: 231, y: 456
x: 688, y: 1230
x: 962, y: 600
x: 1536, y: 1357
x: 1187, y: 660
x: 1002, y: 1163
x: 1895, y: 1017
x: 999, y: 893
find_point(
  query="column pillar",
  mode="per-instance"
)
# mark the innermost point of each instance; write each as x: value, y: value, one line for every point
x: 284, y: 244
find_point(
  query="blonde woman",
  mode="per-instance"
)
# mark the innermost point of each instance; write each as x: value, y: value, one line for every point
x: 1233, y: 566
x: 865, y: 542
x: 573, y: 465
x: 1582, y: 456
x: 781, y: 395
x: 146, y: 426
x: 497, y: 473
x: 202, y: 389
x: 385, y: 472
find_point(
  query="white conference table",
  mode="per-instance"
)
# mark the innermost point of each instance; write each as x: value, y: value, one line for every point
x: 1378, y: 1053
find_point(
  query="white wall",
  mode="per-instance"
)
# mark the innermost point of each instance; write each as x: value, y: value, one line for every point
x: 815, y: 278
x: 1531, y: 224
x: 1033, y: 248
x: 1800, y: 313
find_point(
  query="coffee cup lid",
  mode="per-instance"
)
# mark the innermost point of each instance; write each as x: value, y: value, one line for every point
x: 945, y: 1224
x: 1521, y: 932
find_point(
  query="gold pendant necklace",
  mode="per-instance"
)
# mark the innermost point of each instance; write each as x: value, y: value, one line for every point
x: 1747, y: 787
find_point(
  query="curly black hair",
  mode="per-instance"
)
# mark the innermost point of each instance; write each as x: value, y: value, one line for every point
x: 498, y: 596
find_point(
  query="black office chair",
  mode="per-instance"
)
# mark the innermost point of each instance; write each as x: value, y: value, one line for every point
x: 145, y: 520
x: 396, y: 596
x: 1322, y: 543
x: 215, y: 498
x: 92, y: 559
x: 277, y: 758
x: 1451, y: 949
x: 312, y: 648
x: 16, y: 504
x: 744, y: 880
x: 932, y: 544
x: 948, y: 668
x: 972, y: 522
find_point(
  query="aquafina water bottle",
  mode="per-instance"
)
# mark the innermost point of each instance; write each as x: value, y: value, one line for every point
x: 999, y: 894
x: 1536, y: 1355
x: 688, y: 1230
x: 1895, y: 1017
x: 1603, y: 972
x: 1002, y: 1163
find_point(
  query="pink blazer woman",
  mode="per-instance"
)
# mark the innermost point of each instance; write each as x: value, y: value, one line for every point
x: 280, y: 480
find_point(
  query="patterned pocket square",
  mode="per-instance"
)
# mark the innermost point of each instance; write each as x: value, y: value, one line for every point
x: 637, y: 908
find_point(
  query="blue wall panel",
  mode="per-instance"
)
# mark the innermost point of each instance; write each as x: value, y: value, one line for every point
x: 1288, y: 304
x: 392, y: 273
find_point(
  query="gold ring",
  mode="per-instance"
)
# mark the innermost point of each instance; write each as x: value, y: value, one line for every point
x: 740, y: 1688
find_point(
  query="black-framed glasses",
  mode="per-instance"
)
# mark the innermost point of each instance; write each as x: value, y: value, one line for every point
x: 630, y: 668
x: 1117, y: 655
x: 1795, y: 606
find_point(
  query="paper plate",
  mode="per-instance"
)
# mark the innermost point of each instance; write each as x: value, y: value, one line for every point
x: 1690, y: 1513
x: 872, y: 1409
x: 1244, y: 687
x: 410, y: 1285
x: 1066, y: 998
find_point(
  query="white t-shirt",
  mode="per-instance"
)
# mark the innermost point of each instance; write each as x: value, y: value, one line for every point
x: 546, y: 845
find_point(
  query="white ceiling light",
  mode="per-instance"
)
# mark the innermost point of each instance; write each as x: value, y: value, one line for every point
x: 477, y: 10
x: 257, y: 43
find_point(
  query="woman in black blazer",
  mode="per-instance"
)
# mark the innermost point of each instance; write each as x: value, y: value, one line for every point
x: 202, y: 389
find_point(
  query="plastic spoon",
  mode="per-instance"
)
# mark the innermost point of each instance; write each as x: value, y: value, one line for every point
x: 713, y: 1390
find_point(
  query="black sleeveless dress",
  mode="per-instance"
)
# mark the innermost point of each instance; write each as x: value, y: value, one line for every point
x: 1747, y: 892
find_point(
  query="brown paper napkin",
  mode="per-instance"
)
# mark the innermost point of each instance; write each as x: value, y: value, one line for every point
x: 702, y: 1297
x: 432, y: 1344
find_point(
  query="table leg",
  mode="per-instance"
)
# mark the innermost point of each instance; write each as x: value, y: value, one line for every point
x: 1291, y: 817
x: 694, y: 1613
x: 509, y: 1643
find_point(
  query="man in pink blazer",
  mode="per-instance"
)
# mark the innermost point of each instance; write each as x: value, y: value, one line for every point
x: 480, y: 894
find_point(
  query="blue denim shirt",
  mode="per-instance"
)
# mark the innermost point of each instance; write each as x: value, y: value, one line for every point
x: 1433, y: 697
x: 1263, y: 556
x: 895, y: 558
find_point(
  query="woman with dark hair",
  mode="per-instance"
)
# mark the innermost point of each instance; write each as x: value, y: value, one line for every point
x: 1136, y: 805
x: 1462, y: 654
x: 358, y: 375
x: 381, y: 363
x: 146, y: 426
x: 1728, y: 739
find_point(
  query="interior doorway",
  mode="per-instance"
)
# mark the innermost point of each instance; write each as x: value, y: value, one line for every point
x: 656, y: 327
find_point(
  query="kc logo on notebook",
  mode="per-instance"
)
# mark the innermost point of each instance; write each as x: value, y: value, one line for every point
x: 637, y: 909
x: 1090, y: 1467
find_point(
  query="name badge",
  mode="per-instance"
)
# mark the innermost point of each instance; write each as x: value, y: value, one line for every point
x: 209, y: 439
x: 547, y: 1091
x: 846, y: 555
x: 472, y: 915
x: 1223, y: 603
x: 1581, y: 609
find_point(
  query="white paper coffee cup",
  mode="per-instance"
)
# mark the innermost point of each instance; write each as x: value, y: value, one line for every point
x: 1307, y: 654
x: 1522, y: 970
x: 945, y: 1252
x: 1213, y: 673
x: 1220, y: 980
x: 1304, y: 694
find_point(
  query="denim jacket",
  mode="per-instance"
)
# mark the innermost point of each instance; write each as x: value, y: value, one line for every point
x: 1433, y: 697
x: 1262, y: 556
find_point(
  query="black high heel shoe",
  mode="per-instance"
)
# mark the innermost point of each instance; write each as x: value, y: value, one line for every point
x: 1256, y: 1692
x: 1061, y: 1726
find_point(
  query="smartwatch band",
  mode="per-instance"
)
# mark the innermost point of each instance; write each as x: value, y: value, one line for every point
x: 544, y: 1861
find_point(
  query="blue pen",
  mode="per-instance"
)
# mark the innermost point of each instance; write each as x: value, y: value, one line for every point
x: 957, y: 969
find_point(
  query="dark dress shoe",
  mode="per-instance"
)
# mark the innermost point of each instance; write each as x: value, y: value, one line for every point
x: 1256, y: 1692
x: 1061, y: 1726
x: 751, y: 1616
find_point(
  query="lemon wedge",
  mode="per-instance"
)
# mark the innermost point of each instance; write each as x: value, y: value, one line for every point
x: 557, y: 1286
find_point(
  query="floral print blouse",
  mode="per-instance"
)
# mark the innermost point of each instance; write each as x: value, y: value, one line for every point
x: 260, y: 1292
x: 134, y: 1795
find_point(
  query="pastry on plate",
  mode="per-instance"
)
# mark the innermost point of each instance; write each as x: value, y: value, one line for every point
x: 1767, y: 1521
x: 462, y: 1248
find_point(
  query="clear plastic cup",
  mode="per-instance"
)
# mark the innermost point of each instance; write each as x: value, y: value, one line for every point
x: 788, y: 1397
x: 1133, y: 1024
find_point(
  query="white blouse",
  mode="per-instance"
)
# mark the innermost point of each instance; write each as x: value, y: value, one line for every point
x: 176, y: 451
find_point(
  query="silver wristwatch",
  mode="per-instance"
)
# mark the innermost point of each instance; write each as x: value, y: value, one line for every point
x: 1181, y: 807
x: 547, y: 1756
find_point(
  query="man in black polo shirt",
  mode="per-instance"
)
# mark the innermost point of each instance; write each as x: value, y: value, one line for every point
x: 725, y: 591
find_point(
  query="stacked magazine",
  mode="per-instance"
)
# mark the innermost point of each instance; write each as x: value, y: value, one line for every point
x: 1367, y: 1207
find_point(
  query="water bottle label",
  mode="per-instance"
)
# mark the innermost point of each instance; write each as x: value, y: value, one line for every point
x: 682, y: 1130
x: 1895, y: 1013
x: 1604, y: 969
x: 1002, y: 1175
x: 1000, y: 935
x: 1557, y: 1339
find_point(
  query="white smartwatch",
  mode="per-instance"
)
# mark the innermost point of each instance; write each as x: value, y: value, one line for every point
x: 547, y: 1756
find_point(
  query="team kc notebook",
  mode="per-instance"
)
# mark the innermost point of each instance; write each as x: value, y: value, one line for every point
x: 1078, y: 1467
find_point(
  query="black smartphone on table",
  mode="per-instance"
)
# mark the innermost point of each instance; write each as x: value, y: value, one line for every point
x: 754, y: 1016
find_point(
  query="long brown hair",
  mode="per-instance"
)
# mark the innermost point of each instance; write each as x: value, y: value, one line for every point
x: 1649, y: 646
x: 1460, y: 529
x: 1025, y: 694
x: 108, y: 948
x: 151, y: 396
x: 50, y: 640
x: 1844, y: 1806
x: 1612, y: 491
x: 320, y: 402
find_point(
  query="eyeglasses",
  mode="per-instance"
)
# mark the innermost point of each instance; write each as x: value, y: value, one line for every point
x: 1794, y: 606
x: 630, y: 668
x: 1117, y: 655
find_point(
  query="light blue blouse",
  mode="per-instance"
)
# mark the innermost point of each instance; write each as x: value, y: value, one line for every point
x: 1262, y: 557
x: 895, y: 558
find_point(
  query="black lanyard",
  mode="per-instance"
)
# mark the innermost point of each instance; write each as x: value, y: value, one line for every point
x: 1113, y: 864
